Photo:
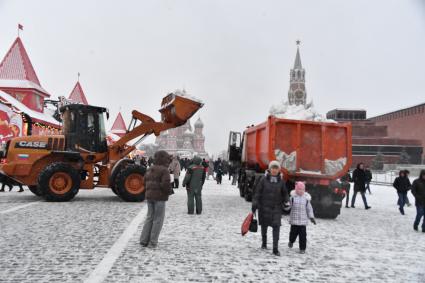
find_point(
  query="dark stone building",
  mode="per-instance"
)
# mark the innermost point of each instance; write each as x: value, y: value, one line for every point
x: 371, y: 139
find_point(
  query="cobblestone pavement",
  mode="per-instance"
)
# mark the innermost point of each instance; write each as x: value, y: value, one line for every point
x: 66, y: 241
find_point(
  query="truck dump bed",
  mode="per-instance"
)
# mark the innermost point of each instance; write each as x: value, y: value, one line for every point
x: 318, y: 152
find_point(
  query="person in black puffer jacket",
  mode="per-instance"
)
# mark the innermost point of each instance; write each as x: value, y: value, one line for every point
x: 418, y: 191
x: 402, y: 185
x: 270, y: 196
x: 158, y: 188
x: 359, y: 179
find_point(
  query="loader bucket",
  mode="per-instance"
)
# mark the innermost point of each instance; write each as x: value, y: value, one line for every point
x: 176, y: 109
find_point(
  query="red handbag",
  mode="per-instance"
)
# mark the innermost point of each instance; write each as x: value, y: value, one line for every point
x: 247, y: 223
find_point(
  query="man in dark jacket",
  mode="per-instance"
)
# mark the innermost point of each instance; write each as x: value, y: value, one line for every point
x: 270, y: 195
x: 359, y: 179
x: 418, y: 191
x: 402, y: 185
x: 193, y: 181
x: 158, y: 188
x: 368, y: 179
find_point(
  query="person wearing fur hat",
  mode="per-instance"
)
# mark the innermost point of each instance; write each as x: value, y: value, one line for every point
x: 301, y: 214
x: 270, y: 196
x: 158, y: 189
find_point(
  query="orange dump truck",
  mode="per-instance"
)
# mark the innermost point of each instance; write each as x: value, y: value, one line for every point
x: 318, y: 153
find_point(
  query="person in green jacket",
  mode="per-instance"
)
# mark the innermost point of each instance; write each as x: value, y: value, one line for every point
x: 193, y: 181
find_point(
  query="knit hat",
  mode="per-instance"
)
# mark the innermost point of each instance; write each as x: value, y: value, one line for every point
x: 274, y: 164
x: 299, y: 188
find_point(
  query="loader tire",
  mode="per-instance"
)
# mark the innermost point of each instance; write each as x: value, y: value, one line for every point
x: 130, y: 183
x: 114, y: 190
x: 59, y: 182
x: 35, y: 190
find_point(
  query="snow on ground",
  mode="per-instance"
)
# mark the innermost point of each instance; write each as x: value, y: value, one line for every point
x: 66, y: 241
x: 378, y: 245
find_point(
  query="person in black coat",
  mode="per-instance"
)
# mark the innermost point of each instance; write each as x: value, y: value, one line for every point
x: 402, y: 185
x: 270, y: 196
x: 345, y: 182
x: 359, y: 179
x: 418, y: 191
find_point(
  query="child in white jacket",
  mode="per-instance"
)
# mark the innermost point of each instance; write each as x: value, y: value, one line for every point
x: 301, y: 214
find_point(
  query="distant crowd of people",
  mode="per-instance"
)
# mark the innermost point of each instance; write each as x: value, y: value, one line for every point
x: 362, y: 177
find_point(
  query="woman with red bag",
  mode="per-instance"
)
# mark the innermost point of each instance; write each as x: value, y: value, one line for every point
x: 270, y: 196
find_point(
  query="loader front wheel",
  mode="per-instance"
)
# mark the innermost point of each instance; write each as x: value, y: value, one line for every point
x: 59, y: 182
x: 130, y: 183
x: 35, y: 190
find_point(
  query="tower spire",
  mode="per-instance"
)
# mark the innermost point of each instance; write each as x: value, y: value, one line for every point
x: 297, y: 64
x: 297, y: 93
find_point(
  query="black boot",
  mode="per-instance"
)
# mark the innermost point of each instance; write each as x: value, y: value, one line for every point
x: 275, y: 249
x: 264, y: 244
x: 415, y: 227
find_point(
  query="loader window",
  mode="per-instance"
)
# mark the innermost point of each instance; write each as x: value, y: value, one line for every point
x: 84, y: 128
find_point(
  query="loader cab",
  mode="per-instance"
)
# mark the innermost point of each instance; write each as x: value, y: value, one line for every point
x: 235, y: 147
x: 84, y: 128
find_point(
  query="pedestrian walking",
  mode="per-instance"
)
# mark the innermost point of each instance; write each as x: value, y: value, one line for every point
x: 359, y: 179
x: 402, y: 185
x: 345, y: 183
x: 157, y: 184
x: 175, y: 170
x: 219, y: 174
x: 194, y: 181
x: 368, y: 178
x: 211, y: 169
x: 418, y: 191
x: 407, y: 172
x: 150, y: 161
x: 270, y: 196
x: 301, y: 213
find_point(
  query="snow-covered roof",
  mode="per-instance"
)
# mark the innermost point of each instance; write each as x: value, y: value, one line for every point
x: 77, y: 95
x: 5, y: 83
x: 16, y: 70
x: 119, y: 128
x: 40, y: 117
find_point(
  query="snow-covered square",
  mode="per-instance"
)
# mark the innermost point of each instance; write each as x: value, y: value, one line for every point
x: 67, y: 242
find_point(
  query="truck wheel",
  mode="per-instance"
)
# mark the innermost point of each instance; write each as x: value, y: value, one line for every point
x: 35, y: 190
x: 326, y: 212
x: 130, y: 183
x: 114, y: 190
x: 59, y: 182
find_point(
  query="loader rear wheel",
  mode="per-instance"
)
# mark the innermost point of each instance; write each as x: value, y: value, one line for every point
x: 59, y: 182
x: 35, y: 190
x: 130, y: 183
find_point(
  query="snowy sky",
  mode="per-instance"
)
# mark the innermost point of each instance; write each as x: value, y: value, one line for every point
x: 234, y: 55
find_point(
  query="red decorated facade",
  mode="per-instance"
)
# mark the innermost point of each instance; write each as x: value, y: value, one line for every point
x: 22, y: 97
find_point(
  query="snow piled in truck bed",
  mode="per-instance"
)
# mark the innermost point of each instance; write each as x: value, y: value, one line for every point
x: 298, y: 112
